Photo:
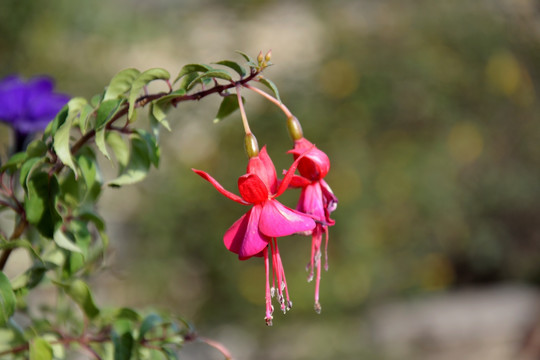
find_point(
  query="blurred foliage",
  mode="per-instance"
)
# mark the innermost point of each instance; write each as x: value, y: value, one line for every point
x: 428, y: 111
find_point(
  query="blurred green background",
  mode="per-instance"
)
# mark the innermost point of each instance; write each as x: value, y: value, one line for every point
x: 428, y: 112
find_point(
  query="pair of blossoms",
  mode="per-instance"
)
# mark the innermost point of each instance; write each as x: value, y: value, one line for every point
x: 256, y: 232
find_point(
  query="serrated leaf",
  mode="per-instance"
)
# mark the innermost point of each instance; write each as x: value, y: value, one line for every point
x: 233, y: 65
x: 61, y: 239
x: 191, y: 68
x: 106, y: 110
x: 62, y: 136
x: 79, y: 291
x: 138, y: 165
x: 40, y: 349
x: 148, y: 323
x: 119, y: 148
x: 141, y: 81
x: 7, y: 299
x: 121, y: 83
x: 228, y: 105
x: 271, y: 86
x: 215, y: 73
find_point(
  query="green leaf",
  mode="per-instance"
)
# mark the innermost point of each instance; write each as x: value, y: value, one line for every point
x: 62, y: 136
x: 138, y: 165
x: 148, y: 323
x: 7, y: 299
x: 119, y: 148
x: 79, y: 291
x: 123, y: 346
x: 158, y: 111
x: 229, y: 104
x: 233, y: 65
x: 251, y: 63
x: 40, y: 203
x: 84, y: 117
x: 28, y: 166
x: 58, y: 120
x: 100, y: 142
x: 151, y: 143
x: 19, y: 243
x: 270, y: 85
x: 106, y: 110
x: 14, y: 162
x: 214, y: 73
x: 141, y: 81
x: 63, y: 241
x: 36, y: 148
x: 40, y: 349
x: 121, y: 83
x: 190, y: 69
x: 92, y: 179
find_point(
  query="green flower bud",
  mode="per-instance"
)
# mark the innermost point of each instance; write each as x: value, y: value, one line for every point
x: 295, y: 129
x: 252, y: 147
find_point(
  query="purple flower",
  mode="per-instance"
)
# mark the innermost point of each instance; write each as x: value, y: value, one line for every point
x: 29, y: 106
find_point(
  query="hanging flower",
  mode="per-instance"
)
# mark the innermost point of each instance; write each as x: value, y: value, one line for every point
x: 256, y: 232
x: 316, y: 199
x: 28, y: 106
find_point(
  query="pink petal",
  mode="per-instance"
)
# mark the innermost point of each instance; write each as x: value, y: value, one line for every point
x: 278, y: 220
x: 315, y: 164
x: 288, y: 175
x: 311, y: 201
x: 243, y: 237
x: 220, y: 188
x: 298, y: 181
x: 262, y: 166
x: 252, y: 189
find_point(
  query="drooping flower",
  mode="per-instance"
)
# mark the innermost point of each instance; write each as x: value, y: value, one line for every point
x: 256, y: 232
x: 316, y: 199
x: 29, y: 106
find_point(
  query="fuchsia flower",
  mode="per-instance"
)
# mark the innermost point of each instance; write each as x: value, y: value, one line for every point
x: 316, y: 199
x: 256, y: 231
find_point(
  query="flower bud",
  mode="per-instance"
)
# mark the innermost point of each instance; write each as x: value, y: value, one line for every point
x: 295, y: 129
x: 268, y: 56
x: 252, y: 147
x: 260, y: 57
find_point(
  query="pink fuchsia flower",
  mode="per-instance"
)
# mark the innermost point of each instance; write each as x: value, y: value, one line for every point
x: 256, y: 232
x: 316, y: 199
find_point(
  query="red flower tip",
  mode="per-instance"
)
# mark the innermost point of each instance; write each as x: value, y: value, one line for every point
x: 315, y: 163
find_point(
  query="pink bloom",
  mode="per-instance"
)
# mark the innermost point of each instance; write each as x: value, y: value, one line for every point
x: 316, y: 199
x: 256, y: 231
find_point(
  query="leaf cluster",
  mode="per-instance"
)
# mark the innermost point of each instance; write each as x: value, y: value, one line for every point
x: 53, y: 188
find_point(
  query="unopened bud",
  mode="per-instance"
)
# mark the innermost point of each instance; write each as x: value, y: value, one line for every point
x: 295, y: 129
x: 260, y: 57
x: 268, y: 56
x: 252, y: 147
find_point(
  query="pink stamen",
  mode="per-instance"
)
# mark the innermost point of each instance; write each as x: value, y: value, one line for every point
x: 269, y: 308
